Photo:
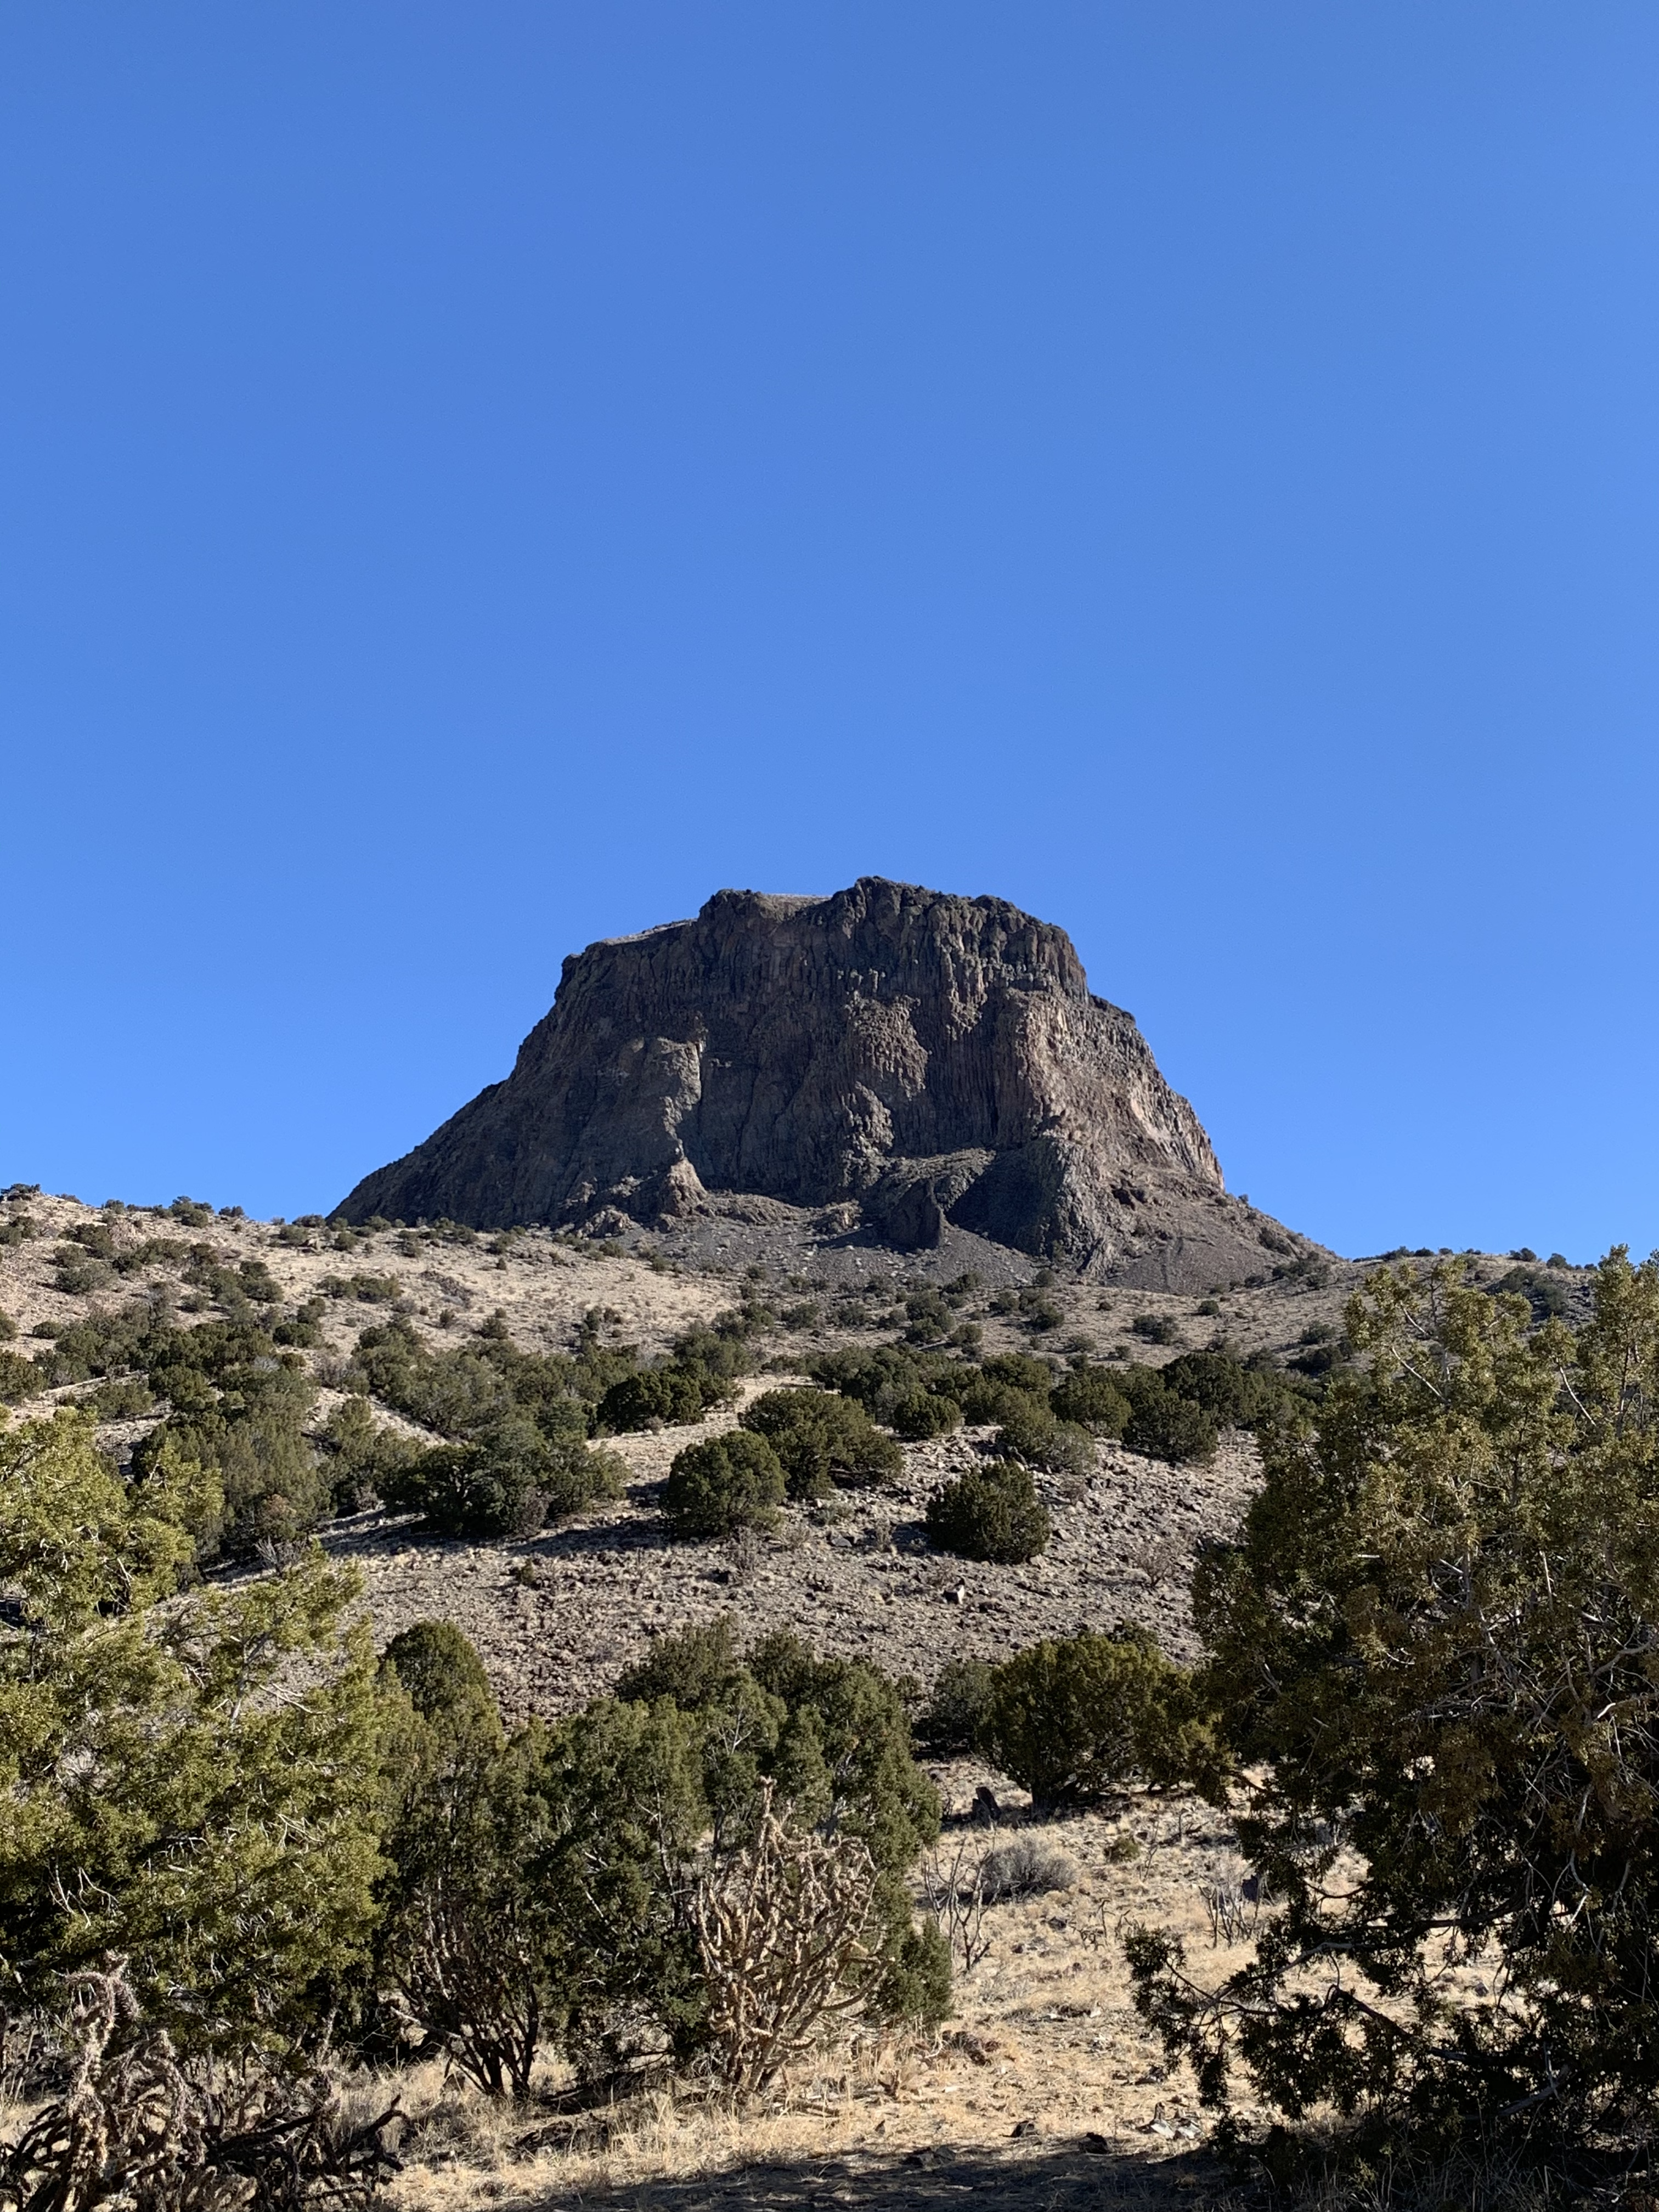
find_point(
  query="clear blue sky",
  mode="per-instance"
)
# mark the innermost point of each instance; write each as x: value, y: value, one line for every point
x: 474, y: 479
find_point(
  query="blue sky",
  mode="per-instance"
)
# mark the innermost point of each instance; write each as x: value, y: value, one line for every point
x: 477, y: 479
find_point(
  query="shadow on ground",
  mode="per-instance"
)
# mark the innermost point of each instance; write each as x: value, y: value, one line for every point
x: 1021, y: 2178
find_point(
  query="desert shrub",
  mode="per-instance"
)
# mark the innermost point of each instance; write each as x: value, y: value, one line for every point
x: 670, y: 1396
x: 618, y: 1792
x: 956, y: 1711
x: 138, y: 2128
x: 368, y: 1289
x: 466, y: 1948
x: 1023, y: 1867
x: 1090, y: 1397
x: 1020, y: 1371
x: 77, y: 1274
x: 439, y: 1671
x: 259, y: 1284
x: 780, y: 1923
x: 365, y: 1459
x: 1162, y: 1423
x: 511, y: 1483
x: 1076, y: 1721
x: 1234, y: 1393
x: 732, y: 1481
x: 467, y: 1393
x: 164, y: 1800
x: 1430, y: 1645
x: 249, y: 1442
x: 821, y: 1438
x: 1030, y: 1432
x: 124, y: 1398
x: 718, y: 1357
x: 882, y: 1379
x: 1156, y: 1329
x: 20, y: 1379
x: 983, y: 1399
x: 695, y: 1668
x: 989, y: 1513
x: 925, y: 1414
x: 830, y: 1739
x: 928, y: 1319
x: 843, y: 1753
x: 1548, y: 1297
x: 558, y: 1392
x: 151, y: 1252
x: 137, y: 1334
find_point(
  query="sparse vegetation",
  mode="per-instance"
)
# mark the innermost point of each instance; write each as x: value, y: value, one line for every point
x: 571, y: 1888
x: 1156, y: 1329
x: 1023, y: 1867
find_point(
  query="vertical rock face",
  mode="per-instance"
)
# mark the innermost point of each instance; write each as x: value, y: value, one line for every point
x: 936, y: 1060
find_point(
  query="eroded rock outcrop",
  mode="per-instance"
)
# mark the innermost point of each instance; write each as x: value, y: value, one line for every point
x: 935, y: 1060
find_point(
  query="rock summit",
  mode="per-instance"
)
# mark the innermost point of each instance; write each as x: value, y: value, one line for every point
x: 912, y: 1061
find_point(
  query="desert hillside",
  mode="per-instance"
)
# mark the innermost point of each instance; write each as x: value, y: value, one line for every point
x: 559, y: 1615
x: 1043, y: 2081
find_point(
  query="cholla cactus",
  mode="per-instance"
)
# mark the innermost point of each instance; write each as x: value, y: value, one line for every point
x: 138, y: 2132
x: 780, y: 1927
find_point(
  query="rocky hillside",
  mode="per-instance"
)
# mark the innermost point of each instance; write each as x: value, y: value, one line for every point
x: 557, y: 1615
x: 906, y: 1063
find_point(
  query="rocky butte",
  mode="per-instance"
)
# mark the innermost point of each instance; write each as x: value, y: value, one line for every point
x: 915, y: 1061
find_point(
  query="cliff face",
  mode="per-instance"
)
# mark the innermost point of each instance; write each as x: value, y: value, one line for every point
x: 931, y: 1058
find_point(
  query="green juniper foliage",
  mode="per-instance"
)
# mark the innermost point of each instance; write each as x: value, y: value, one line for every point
x: 511, y: 1481
x: 822, y: 1438
x: 539, y: 1883
x: 992, y: 1513
x: 955, y: 1714
x: 161, y: 1800
x: 732, y: 1481
x: 833, y: 1739
x: 1435, y: 1646
x: 1076, y: 1721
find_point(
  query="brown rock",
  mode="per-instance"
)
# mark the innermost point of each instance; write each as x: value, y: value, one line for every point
x: 931, y: 1059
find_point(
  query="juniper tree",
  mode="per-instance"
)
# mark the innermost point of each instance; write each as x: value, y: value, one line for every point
x: 189, y: 1778
x: 1436, y: 1644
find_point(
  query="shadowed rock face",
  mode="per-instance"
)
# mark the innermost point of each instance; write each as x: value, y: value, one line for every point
x: 935, y: 1059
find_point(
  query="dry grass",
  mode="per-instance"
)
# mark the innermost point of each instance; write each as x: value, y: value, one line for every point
x: 1044, y: 2040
